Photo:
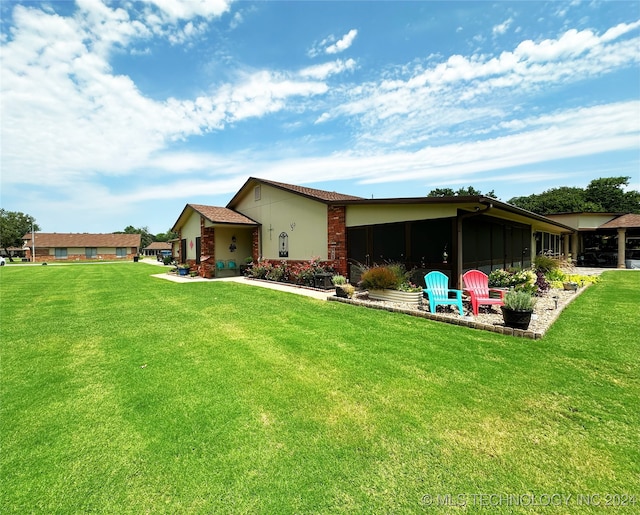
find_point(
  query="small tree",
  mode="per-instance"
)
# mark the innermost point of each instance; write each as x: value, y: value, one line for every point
x: 13, y: 226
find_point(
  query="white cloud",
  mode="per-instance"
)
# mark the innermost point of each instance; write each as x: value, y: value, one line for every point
x: 176, y: 10
x: 464, y: 93
x: 502, y: 28
x: 322, y: 71
x: 341, y: 45
x: 66, y: 115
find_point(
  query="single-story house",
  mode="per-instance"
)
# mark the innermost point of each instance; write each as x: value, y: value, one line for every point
x: 272, y: 220
x: 156, y: 247
x: 81, y: 246
x: 603, y: 239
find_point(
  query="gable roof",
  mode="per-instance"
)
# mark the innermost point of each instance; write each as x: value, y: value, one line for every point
x: 624, y: 221
x: 62, y: 240
x: 222, y: 215
x: 311, y: 193
x: 216, y: 215
x: 158, y: 245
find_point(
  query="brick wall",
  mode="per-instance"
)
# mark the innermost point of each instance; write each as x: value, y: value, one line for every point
x: 337, y: 238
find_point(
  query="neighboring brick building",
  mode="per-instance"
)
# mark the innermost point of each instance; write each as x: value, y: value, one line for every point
x: 81, y: 246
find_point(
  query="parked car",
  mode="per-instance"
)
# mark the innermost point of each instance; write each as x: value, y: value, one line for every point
x: 163, y: 254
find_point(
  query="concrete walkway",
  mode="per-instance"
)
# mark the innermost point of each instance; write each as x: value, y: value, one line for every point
x: 298, y: 290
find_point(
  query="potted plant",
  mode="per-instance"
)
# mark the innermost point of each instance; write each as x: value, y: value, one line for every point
x: 348, y: 290
x: 183, y: 269
x: 517, y: 309
x: 244, y: 268
x: 339, y: 281
x: 390, y: 283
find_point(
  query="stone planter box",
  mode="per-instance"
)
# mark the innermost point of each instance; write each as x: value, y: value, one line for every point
x: 404, y: 297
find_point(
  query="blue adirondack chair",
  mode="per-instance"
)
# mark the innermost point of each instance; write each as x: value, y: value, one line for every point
x: 437, y: 291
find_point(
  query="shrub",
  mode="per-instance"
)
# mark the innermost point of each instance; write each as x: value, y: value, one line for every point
x: 517, y: 279
x: 379, y: 278
x: 541, y: 284
x: 519, y: 300
x: 349, y: 289
x: 545, y: 264
x: 339, y: 280
x: 555, y: 275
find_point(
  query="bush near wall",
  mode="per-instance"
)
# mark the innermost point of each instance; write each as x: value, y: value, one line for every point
x: 294, y: 272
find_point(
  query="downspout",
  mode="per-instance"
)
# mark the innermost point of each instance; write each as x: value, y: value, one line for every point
x: 459, y: 220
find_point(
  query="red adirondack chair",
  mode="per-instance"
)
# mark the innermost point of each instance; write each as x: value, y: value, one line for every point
x: 476, y: 285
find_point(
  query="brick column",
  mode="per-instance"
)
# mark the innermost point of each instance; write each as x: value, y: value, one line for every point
x: 207, y: 248
x: 255, y: 244
x: 337, y: 238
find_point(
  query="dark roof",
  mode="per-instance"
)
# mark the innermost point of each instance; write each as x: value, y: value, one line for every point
x: 222, y: 215
x: 62, y: 240
x: 624, y: 221
x: 312, y: 193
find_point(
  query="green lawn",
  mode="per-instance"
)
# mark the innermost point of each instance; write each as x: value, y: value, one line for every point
x: 124, y: 393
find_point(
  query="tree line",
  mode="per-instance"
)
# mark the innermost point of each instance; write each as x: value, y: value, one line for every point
x: 604, y: 195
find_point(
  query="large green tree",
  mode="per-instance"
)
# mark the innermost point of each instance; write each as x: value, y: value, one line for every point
x: 461, y: 192
x: 166, y: 236
x: 605, y: 195
x: 13, y: 226
x: 146, y: 236
x: 610, y: 194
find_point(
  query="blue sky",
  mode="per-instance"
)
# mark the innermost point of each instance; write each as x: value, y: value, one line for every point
x: 120, y: 113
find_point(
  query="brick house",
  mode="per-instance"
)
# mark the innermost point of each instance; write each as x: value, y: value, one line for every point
x: 279, y: 221
x: 81, y: 246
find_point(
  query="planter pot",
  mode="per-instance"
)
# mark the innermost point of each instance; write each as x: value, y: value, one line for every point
x: 341, y: 293
x: 404, y: 297
x: 516, y: 319
x: 183, y: 271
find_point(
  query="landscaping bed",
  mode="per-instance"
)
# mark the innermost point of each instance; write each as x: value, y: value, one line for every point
x: 548, y: 308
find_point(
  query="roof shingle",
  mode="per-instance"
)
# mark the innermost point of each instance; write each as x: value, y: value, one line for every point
x: 624, y: 221
x: 222, y: 215
x: 62, y: 240
x: 325, y: 196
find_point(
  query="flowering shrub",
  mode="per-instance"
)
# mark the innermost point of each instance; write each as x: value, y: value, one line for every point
x: 516, y: 279
x: 298, y: 273
x: 580, y: 280
x: 409, y: 287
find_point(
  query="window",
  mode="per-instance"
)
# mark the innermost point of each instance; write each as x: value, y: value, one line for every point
x: 91, y: 252
x: 61, y: 253
x: 256, y: 193
x: 121, y: 252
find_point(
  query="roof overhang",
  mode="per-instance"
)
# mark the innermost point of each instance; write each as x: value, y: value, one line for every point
x: 473, y: 204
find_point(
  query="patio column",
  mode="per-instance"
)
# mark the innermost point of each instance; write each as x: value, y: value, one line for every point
x: 621, y: 246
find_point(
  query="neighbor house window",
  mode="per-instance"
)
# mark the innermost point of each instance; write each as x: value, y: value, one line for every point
x: 61, y: 253
x: 121, y: 252
x: 90, y: 252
